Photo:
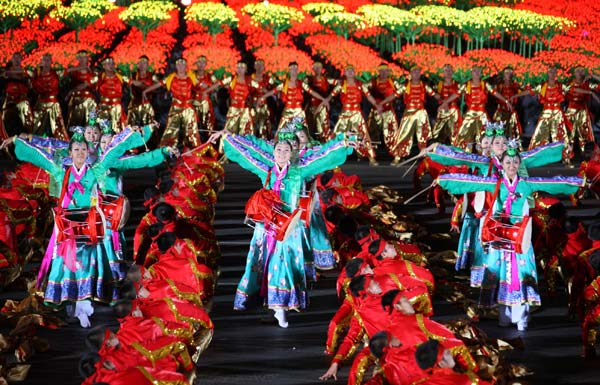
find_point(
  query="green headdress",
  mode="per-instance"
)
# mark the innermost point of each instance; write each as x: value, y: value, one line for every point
x: 77, y: 134
x: 512, y: 147
x: 105, y: 127
x: 92, y: 118
x: 288, y: 132
x: 494, y: 129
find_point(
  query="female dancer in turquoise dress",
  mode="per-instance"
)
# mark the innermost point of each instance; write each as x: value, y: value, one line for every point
x: 486, y: 164
x: 510, y: 278
x: 319, y: 253
x: 79, y: 272
x: 275, y: 270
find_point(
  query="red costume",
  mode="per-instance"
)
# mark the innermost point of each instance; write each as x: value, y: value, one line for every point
x: 110, y: 89
x: 47, y: 116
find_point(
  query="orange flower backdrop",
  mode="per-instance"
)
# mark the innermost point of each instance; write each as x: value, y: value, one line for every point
x: 527, y: 35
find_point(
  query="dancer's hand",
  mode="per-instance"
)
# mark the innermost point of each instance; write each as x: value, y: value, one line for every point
x: 7, y: 142
x: 454, y: 229
x: 214, y: 137
x: 330, y: 373
x: 173, y: 151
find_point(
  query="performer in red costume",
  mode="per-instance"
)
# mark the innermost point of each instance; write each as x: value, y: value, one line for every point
x: 110, y: 90
x: 578, y: 96
x: 80, y: 97
x: 505, y: 113
x: 474, y: 120
x: 414, y: 120
x: 16, y: 105
x: 140, y: 111
x: 317, y: 114
x: 448, y: 115
x: 182, y: 122
x: 202, y: 102
x: 351, y: 92
x: 47, y: 116
x: 383, y: 88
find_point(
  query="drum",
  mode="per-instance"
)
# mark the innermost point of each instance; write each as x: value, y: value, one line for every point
x: 306, y: 204
x: 260, y: 205
x: 285, y: 223
x: 83, y: 226
x: 507, y: 236
x: 116, y: 209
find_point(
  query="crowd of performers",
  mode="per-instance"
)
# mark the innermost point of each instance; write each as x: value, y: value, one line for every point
x: 251, y: 110
x: 304, y: 218
x: 162, y: 297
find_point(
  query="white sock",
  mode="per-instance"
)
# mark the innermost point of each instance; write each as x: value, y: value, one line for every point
x: 281, y: 318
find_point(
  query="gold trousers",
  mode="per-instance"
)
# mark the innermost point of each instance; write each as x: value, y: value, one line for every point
x: 112, y: 113
x: 353, y: 121
x: 551, y: 127
x: 181, y: 119
x: 581, y: 126
x: 140, y: 115
x: 239, y: 121
x: 317, y: 120
x: 262, y: 121
x: 48, y: 119
x: 288, y: 114
x: 470, y: 130
x: 206, y: 114
x: 385, y: 123
x: 512, y: 126
x: 414, y: 122
x: 446, y: 124
x: 21, y: 111
x: 79, y: 109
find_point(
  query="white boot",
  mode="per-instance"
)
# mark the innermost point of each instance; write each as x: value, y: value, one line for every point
x: 84, y: 309
x: 281, y: 318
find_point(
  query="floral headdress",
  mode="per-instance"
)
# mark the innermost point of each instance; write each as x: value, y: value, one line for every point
x: 77, y: 134
x: 512, y: 147
x: 92, y: 117
x: 288, y: 132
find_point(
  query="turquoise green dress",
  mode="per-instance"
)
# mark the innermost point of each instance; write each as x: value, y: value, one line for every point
x: 275, y: 271
x: 318, y: 250
x: 89, y: 271
x: 470, y: 253
x: 509, y: 278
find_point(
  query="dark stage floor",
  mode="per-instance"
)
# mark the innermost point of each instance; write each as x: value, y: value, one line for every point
x: 248, y: 350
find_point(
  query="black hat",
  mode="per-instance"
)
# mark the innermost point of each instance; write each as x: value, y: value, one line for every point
x: 427, y: 354
x: 387, y: 300
x: 377, y: 343
x: 164, y: 212
x: 87, y: 364
x: 165, y: 241
x: 347, y: 225
x: 557, y: 211
x: 353, y: 267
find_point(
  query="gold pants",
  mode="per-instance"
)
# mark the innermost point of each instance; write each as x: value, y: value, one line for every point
x: 353, y: 121
x: 510, y: 119
x: 446, y: 124
x: 140, y: 115
x: 47, y: 118
x: 181, y: 119
x: 206, y: 114
x: 385, y: 123
x: 288, y: 114
x: 113, y: 113
x: 22, y: 110
x: 581, y: 126
x: 239, y: 121
x: 470, y: 130
x: 414, y: 122
x: 551, y: 127
x: 79, y: 109
x: 317, y: 120
x: 262, y: 121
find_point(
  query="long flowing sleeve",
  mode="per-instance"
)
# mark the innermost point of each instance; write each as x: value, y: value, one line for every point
x: 125, y: 140
x: 147, y: 159
x: 543, y: 155
x: 235, y: 148
x: 321, y: 161
x: 448, y: 156
x: 28, y: 153
x: 466, y: 183
x: 259, y: 148
x: 556, y: 185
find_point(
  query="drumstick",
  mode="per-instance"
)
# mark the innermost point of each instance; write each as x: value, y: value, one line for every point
x: 408, y: 160
x: 419, y: 193
x: 410, y: 168
x: 194, y: 149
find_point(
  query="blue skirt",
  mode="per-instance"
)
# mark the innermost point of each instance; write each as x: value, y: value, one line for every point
x: 96, y: 275
x: 284, y: 273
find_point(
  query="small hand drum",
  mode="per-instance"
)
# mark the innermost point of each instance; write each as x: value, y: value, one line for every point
x: 285, y: 223
x: 507, y: 236
x: 306, y: 204
x: 116, y: 209
x: 83, y: 226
